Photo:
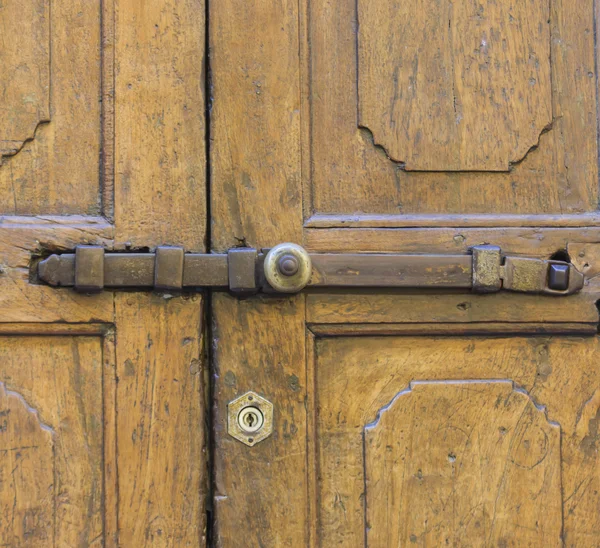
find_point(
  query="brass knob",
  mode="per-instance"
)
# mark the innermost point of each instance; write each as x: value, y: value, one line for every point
x: 287, y: 268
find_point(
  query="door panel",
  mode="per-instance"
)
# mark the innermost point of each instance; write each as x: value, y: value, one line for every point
x: 52, y: 439
x: 503, y: 92
x: 51, y: 77
x: 460, y: 440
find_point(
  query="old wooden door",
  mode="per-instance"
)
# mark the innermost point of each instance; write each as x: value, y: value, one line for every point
x: 102, y: 141
x: 400, y: 417
x: 426, y: 418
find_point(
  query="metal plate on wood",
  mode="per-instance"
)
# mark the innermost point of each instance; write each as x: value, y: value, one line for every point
x: 250, y: 418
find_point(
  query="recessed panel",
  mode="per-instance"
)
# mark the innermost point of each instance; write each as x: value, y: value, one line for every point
x: 457, y: 440
x: 459, y: 86
x: 50, y: 106
x: 439, y: 107
x: 474, y: 457
x: 51, y: 441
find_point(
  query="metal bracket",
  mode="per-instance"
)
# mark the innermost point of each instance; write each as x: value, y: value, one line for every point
x: 288, y: 268
x: 492, y: 272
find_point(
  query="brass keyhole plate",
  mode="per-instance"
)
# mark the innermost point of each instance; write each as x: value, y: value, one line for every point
x: 250, y: 418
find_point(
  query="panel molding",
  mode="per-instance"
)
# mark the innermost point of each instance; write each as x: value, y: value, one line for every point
x: 58, y: 329
x: 497, y: 329
x: 453, y: 221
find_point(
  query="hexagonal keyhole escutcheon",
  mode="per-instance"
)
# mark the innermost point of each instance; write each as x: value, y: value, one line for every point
x: 250, y: 418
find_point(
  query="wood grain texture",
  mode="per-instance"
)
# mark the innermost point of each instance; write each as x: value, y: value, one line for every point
x: 494, y: 329
x: 260, y: 492
x: 256, y: 196
x: 402, y: 308
x: 52, y: 166
x: 27, y: 470
x: 110, y: 413
x: 350, y: 174
x: 462, y: 463
x: 535, y: 241
x: 128, y: 458
x: 25, y: 70
x: 358, y: 377
x: 21, y: 301
x: 159, y: 127
x: 52, y: 464
x: 160, y: 437
x: 455, y: 87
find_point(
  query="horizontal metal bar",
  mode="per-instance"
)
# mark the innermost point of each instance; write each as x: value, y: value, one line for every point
x: 288, y: 268
x: 379, y: 270
x: 137, y: 270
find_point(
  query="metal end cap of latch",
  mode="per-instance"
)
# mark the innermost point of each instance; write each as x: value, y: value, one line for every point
x: 288, y: 268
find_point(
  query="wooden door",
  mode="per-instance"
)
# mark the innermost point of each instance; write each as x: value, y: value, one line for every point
x: 102, y: 141
x: 408, y: 418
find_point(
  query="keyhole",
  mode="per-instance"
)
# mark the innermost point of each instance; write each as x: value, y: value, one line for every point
x: 251, y: 419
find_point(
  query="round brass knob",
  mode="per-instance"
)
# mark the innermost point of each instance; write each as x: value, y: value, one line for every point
x: 288, y: 268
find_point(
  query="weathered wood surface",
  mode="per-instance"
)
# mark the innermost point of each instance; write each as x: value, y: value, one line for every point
x: 365, y: 307
x: 160, y: 438
x: 256, y: 196
x: 116, y: 380
x: 260, y: 493
x: 160, y: 150
x: 535, y: 241
x: 22, y: 237
x: 474, y: 69
x: 455, y: 87
x: 475, y: 220
x: 51, y: 112
x: 27, y: 469
x: 468, y: 449
x: 462, y: 462
x: 25, y: 66
x: 52, y: 444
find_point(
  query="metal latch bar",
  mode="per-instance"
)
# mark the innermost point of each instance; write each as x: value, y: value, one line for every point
x: 288, y: 268
x: 137, y: 270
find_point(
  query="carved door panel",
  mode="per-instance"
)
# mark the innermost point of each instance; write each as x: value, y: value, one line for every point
x: 101, y: 142
x: 415, y: 417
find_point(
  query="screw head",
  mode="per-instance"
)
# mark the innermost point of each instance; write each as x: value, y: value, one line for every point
x: 288, y: 265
